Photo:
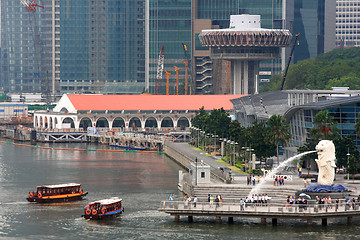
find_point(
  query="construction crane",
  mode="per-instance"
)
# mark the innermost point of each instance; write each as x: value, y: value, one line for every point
x: 167, y: 82
x: 160, y: 69
x: 40, y: 70
x: 177, y: 80
x: 187, y: 66
x: 228, y: 77
x: 288, y: 63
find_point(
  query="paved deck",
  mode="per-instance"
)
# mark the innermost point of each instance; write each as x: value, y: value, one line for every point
x: 273, y: 211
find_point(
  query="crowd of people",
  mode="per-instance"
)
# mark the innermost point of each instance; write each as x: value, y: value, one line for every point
x: 252, y: 180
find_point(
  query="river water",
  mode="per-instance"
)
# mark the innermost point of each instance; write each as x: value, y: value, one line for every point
x: 142, y: 180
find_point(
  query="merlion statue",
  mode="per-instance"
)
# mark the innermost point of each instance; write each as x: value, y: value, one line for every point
x: 326, y: 162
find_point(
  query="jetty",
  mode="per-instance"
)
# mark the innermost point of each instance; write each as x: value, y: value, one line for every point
x: 273, y: 211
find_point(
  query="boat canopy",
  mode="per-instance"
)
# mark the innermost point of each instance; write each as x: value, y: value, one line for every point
x: 107, y: 201
x: 65, y: 185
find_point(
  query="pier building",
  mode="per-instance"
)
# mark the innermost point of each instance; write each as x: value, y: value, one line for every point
x: 128, y: 112
x: 245, y: 43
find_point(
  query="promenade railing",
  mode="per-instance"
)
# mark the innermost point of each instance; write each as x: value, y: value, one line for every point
x: 257, y: 207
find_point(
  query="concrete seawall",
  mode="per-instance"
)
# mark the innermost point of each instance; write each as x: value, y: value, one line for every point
x: 178, y: 157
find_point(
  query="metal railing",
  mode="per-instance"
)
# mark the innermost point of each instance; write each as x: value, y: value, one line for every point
x: 257, y: 207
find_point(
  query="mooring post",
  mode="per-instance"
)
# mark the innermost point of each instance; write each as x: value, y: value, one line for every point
x: 218, y: 219
x: 274, y: 221
x: 231, y: 219
x: 190, y: 219
x: 349, y: 220
x: 309, y: 221
x: 177, y: 218
x: 263, y: 221
x: 324, y: 221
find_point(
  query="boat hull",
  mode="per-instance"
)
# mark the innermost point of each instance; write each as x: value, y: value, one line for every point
x: 54, y: 199
x: 104, y: 216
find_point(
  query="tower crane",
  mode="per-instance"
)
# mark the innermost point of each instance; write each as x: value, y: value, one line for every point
x: 160, y: 69
x: 187, y: 66
x: 40, y: 72
x: 288, y: 63
x: 177, y: 80
x: 167, y: 82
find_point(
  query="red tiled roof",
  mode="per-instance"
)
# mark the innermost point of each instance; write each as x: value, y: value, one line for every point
x: 151, y: 102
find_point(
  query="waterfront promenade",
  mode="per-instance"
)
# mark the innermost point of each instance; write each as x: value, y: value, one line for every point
x: 273, y: 211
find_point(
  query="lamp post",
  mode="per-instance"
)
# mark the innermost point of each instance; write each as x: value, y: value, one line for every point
x: 214, y: 136
x: 234, y: 153
x: 347, y: 169
x: 208, y: 149
x: 249, y: 150
x: 227, y: 152
x: 203, y: 139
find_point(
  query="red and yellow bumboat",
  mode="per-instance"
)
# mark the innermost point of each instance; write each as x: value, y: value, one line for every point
x: 103, y: 208
x: 57, y: 193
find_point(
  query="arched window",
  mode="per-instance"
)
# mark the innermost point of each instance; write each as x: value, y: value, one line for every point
x: 167, y: 122
x: 118, y: 122
x: 66, y: 122
x: 102, y: 122
x: 151, y: 123
x: 85, y: 123
x: 183, y: 123
x: 135, y: 123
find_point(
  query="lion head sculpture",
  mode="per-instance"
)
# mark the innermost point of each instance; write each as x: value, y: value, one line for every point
x: 326, y: 162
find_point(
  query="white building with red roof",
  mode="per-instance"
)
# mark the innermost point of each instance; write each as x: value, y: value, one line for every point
x: 115, y: 112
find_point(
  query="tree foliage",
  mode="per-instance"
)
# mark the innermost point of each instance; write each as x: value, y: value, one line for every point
x: 337, y: 68
x: 279, y: 132
x: 325, y: 127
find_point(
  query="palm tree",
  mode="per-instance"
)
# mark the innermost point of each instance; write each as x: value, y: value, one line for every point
x: 325, y: 127
x: 279, y: 132
x: 357, y: 126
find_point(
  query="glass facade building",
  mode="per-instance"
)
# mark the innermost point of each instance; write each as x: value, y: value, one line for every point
x: 77, y: 46
x: 26, y: 47
x: 316, y: 23
x: 212, y: 77
x: 102, y: 46
x: 169, y: 26
x: 347, y: 23
x: 345, y: 111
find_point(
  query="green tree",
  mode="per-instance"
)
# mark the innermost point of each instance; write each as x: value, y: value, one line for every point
x: 238, y: 133
x: 201, y: 119
x: 257, y: 140
x: 343, y: 147
x: 333, y: 69
x: 218, y: 122
x: 279, y: 132
x: 357, y: 126
x: 324, y: 127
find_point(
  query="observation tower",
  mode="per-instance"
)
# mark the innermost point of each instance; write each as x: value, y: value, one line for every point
x: 245, y: 43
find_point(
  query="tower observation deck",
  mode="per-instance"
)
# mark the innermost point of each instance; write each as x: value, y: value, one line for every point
x: 245, y: 43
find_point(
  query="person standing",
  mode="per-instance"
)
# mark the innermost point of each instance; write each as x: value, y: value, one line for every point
x: 242, y: 205
x: 195, y: 201
x: 336, y: 204
x: 171, y: 198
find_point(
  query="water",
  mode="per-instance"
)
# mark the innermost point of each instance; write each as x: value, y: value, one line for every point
x: 271, y: 174
x: 142, y: 180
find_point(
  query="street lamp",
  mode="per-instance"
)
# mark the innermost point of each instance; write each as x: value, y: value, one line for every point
x: 207, y: 150
x: 214, y: 136
x: 203, y: 138
x: 347, y: 169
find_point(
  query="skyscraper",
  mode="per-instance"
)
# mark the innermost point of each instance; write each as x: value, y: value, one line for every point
x: 347, y: 23
x: 315, y: 21
x: 82, y: 46
x: 26, y: 44
x: 102, y: 46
